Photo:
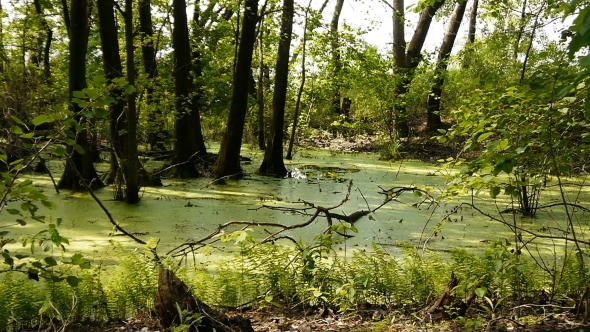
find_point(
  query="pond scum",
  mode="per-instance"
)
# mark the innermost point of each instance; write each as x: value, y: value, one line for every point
x: 302, y: 276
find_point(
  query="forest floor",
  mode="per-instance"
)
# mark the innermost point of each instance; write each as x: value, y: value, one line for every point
x: 276, y: 320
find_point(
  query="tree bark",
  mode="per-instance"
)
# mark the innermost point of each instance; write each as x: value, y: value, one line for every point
x: 155, y: 127
x: 260, y: 94
x: 522, y: 25
x: 407, y: 61
x: 228, y: 161
x: 434, y: 121
x: 336, y: 61
x: 78, y: 162
x: 66, y: 14
x: 113, y: 69
x: 473, y: 22
x: 48, y: 39
x: 303, y: 76
x: 189, y: 141
x: 131, y: 157
x: 273, y: 163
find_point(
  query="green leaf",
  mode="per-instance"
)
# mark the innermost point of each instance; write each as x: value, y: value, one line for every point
x: 129, y: 89
x: 494, y: 192
x: 78, y: 148
x: 50, y: 261
x: 49, y: 204
x: 79, y: 95
x: 72, y: 281
x: 59, y: 151
x: 27, y: 135
x: 17, y: 120
x: 484, y: 136
x: 17, y: 130
x: 480, y: 292
x: 502, y: 145
x: 13, y: 211
x: 40, y: 119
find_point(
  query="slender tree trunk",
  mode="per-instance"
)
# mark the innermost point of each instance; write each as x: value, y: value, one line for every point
x: 2, y: 48
x: 301, y: 85
x: 132, y: 159
x: 407, y: 61
x: 48, y: 39
x: 434, y: 121
x: 473, y: 22
x: 273, y: 163
x: 113, y: 69
x: 66, y: 15
x: 471, y: 34
x: 336, y: 61
x: 260, y: 96
x: 228, y: 161
x: 189, y: 141
x: 155, y: 129
x: 303, y: 74
x: 522, y: 25
x: 78, y: 162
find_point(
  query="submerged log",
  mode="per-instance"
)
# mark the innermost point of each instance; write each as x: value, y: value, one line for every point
x: 173, y: 294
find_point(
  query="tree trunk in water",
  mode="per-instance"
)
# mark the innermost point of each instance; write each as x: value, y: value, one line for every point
x: 155, y: 127
x: 273, y: 163
x: 336, y: 64
x: 189, y: 141
x: 228, y: 161
x: 113, y: 69
x: 131, y: 157
x: 78, y: 162
x: 260, y: 96
x: 196, y: 88
x: 407, y: 59
x: 434, y: 121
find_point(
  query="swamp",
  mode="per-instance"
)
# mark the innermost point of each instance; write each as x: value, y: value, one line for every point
x: 286, y: 166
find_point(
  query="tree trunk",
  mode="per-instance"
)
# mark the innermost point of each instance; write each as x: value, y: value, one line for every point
x: 434, y: 121
x: 473, y: 22
x: 155, y: 128
x: 273, y: 163
x: 260, y: 95
x: 173, y: 294
x: 470, y: 35
x: 406, y: 60
x: 48, y: 39
x: 66, y: 14
x: 131, y: 157
x: 522, y: 25
x: 228, y: 161
x: 113, y: 69
x: 78, y: 162
x: 336, y: 62
x: 303, y: 76
x: 189, y: 141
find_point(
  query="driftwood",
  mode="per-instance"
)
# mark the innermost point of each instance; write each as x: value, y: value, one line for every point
x: 174, y: 295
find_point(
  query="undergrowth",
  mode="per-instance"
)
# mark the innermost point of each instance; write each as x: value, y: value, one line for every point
x: 284, y: 277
